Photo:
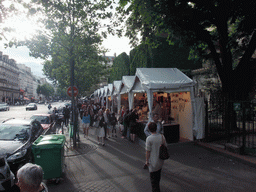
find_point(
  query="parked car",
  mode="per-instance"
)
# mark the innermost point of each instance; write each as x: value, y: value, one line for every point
x: 46, y: 120
x: 4, y: 107
x: 6, y: 175
x: 16, y: 138
x: 31, y: 106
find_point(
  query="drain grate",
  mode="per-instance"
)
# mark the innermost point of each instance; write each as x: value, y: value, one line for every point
x: 80, y: 150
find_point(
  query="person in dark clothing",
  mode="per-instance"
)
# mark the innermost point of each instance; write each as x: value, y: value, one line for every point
x: 125, y: 123
x: 66, y: 113
x: 133, y: 124
x: 113, y: 122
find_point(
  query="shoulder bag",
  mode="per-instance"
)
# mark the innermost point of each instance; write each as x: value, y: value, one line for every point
x: 163, y: 152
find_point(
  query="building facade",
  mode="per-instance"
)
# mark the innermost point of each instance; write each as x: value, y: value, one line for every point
x: 9, y: 80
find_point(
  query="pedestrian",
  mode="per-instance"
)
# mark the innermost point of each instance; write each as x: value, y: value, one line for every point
x: 159, y: 129
x: 107, y: 127
x: 86, y: 120
x: 125, y: 123
x: 66, y: 113
x: 30, y: 177
x: 133, y: 124
x: 49, y: 106
x: 100, y: 128
x: 113, y: 122
x: 153, y: 161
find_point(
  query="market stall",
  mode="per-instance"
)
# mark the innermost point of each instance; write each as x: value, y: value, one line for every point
x: 116, y: 96
x: 127, y: 82
x: 170, y: 94
x: 109, y: 96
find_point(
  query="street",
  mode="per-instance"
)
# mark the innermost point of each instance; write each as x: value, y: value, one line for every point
x: 20, y: 111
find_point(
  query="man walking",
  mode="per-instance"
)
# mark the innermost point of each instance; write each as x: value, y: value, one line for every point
x: 66, y: 113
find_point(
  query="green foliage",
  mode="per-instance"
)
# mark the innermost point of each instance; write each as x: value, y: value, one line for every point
x: 120, y: 67
x: 46, y: 89
x: 221, y: 30
x: 71, y: 38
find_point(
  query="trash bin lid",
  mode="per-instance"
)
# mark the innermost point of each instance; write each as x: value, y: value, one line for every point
x: 55, y: 140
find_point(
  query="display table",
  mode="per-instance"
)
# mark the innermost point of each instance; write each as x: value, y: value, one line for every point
x: 172, y: 132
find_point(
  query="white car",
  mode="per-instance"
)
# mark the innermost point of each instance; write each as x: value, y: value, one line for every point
x: 4, y: 107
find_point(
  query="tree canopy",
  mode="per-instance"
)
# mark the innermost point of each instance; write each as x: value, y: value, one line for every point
x: 45, y: 89
x: 223, y: 31
x: 71, y: 37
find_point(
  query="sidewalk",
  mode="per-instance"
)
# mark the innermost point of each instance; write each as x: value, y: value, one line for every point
x: 118, y: 167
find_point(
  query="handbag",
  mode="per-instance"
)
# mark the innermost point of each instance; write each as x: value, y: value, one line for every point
x: 163, y: 152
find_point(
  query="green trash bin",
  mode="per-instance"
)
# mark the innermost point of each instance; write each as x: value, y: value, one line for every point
x: 48, y: 151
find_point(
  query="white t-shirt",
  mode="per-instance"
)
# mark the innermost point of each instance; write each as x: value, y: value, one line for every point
x: 153, y: 143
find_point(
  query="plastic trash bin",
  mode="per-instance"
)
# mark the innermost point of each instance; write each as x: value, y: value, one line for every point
x: 48, y: 151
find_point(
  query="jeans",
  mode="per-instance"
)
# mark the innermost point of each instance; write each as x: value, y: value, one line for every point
x: 155, y: 180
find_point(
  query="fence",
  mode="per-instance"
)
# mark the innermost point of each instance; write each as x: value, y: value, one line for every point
x: 240, y: 128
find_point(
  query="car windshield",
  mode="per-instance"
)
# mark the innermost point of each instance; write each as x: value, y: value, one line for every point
x: 14, y: 132
x: 42, y: 119
x: 31, y: 104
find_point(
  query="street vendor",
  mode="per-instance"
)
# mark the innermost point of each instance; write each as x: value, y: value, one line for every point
x: 158, y: 123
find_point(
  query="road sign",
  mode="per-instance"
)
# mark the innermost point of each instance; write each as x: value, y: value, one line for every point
x: 69, y: 91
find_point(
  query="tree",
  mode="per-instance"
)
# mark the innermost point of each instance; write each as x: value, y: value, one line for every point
x: 223, y: 31
x: 120, y: 67
x: 71, y: 41
x: 162, y: 56
x: 45, y: 89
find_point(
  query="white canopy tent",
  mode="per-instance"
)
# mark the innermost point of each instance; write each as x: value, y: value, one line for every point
x: 169, y: 80
x: 127, y: 82
x: 116, y: 93
x: 109, y: 94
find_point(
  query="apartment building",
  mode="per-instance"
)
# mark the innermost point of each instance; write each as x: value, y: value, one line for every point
x: 9, y: 80
x: 26, y: 81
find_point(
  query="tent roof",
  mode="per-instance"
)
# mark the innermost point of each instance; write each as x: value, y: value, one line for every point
x: 102, y: 91
x: 116, y: 87
x: 105, y: 90
x: 127, y: 82
x: 162, y: 79
x: 110, y: 89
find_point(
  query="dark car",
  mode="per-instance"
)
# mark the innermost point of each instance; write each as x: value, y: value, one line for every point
x: 31, y: 106
x: 16, y: 138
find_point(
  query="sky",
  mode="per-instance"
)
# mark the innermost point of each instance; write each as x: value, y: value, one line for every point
x: 26, y: 28
x: 21, y: 54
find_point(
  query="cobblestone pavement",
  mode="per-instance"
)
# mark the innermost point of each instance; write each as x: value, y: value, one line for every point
x: 118, y: 167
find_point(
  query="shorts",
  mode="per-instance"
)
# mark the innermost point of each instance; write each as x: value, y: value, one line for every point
x: 86, y: 125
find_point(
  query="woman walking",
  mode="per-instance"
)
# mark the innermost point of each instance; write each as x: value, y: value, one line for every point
x: 133, y: 124
x: 100, y: 129
x: 86, y: 123
x: 153, y: 161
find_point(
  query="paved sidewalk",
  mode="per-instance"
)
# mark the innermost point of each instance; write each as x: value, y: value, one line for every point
x: 118, y: 167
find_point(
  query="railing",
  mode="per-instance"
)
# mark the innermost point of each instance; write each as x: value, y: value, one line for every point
x: 240, y: 129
